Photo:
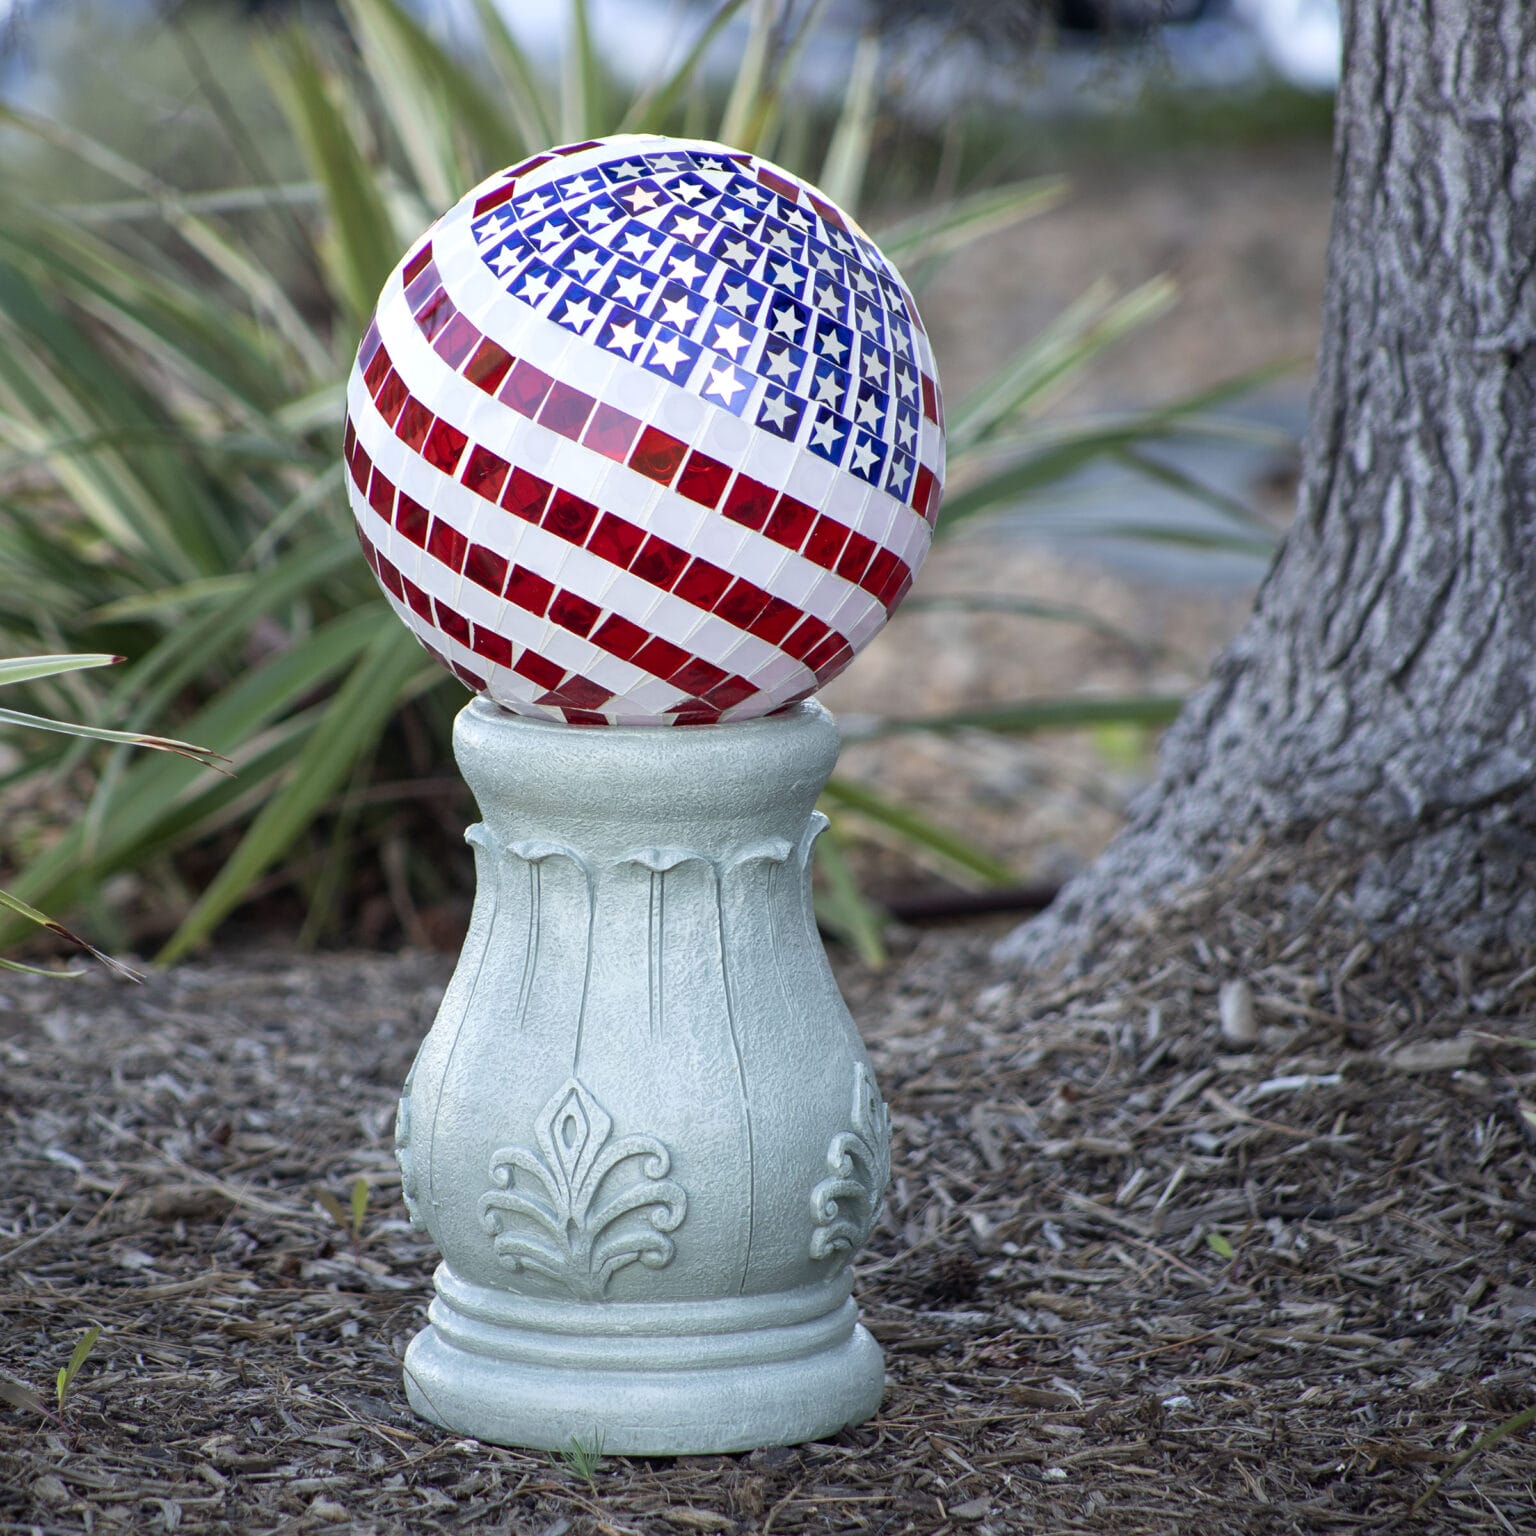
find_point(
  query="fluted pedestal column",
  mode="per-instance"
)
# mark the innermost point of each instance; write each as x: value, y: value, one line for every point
x: 643, y: 1130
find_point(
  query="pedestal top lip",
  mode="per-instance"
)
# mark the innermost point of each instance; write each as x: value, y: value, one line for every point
x: 809, y: 714
x: 633, y: 779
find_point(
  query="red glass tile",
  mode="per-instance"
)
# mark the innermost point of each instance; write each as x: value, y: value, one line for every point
x: 828, y: 669
x: 378, y: 367
x: 498, y: 196
x: 791, y: 522
x: 704, y: 479
x: 412, y: 268
x: 418, y: 600
x: 525, y: 388
x: 893, y: 584
x: 828, y: 213
x: 778, y: 184
x: 660, y: 657
x: 611, y: 432
x: 538, y: 669
x: 574, y: 149
x: 616, y: 540
x: 532, y: 592
x: 524, y: 166
x: 370, y: 342
x: 699, y: 676
x: 826, y: 543
x: 566, y: 411
x: 447, y: 544
x: 930, y: 400
x: 702, y: 583
x: 856, y: 556
x: 362, y: 468
x: 821, y: 654
x: 451, y: 622
x: 414, y: 424
x: 569, y: 516
x: 389, y: 574
x: 381, y: 494
x: 695, y: 714
x: 902, y: 588
x: 435, y: 314
x: 922, y: 490
x: 620, y: 636
x: 932, y: 499
x: 742, y: 601
x: 749, y: 502
x: 732, y: 691
x: 488, y: 367
x: 444, y: 446
x: 485, y: 472
x: 492, y: 646
x: 657, y: 455
x: 369, y: 553
x: 659, y: 562
x: 583, y: 692
x: 471, y: 680
x: 412, y: 519
x: 392, y: 395
x: 348, y: 441
x: 457, y: 340
x: 808, y: 634
x: 574, y: 613
x: 775, y: 621
x: 486, y: 568
x: 526, y: 495
x: 421, y: 287
x: 582, y: 716
x: 879, y: 571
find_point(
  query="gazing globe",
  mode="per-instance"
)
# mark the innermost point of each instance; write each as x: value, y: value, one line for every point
x: 644, y: 432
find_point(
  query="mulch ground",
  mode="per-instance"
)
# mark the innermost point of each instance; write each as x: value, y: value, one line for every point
x: 1233, y: 1234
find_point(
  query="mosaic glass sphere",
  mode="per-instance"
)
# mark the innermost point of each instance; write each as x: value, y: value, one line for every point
x: 644, y: 431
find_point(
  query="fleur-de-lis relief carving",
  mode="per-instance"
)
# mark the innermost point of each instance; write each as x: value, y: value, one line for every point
x: 846, y: 1205
x: 550, y: 1214
x: 408, y: 1188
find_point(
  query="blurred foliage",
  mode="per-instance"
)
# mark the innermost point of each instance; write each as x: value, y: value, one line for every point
x: 33, y: 669
x: 174, y: 334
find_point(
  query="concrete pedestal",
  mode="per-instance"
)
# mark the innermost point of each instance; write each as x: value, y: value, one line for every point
x: 643, y: 1130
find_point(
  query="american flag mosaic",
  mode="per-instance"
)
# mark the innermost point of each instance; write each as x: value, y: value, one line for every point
x: 645, y: 431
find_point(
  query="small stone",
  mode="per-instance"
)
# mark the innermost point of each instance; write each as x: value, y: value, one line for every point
x: 322, y: 1508
x: 1433, y: 1055
x: 50, y: 1490
x: 1238, y: 1025
x: 972, y: 1509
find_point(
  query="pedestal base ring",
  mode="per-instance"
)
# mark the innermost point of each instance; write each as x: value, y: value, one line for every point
x: 645, y: 1379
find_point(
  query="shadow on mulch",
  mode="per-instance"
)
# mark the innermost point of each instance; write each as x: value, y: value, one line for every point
x: 1139, y: 1272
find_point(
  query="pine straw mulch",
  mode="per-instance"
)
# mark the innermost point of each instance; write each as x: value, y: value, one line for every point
x: 1135, y: 1276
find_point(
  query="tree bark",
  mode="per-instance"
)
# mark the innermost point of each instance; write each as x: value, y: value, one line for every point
x: 1384, y: 687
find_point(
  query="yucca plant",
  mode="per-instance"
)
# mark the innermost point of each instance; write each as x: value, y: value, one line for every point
x: 170, y: 479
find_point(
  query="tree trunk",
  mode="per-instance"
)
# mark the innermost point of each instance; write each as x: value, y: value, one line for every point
x: 1385, y: 686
